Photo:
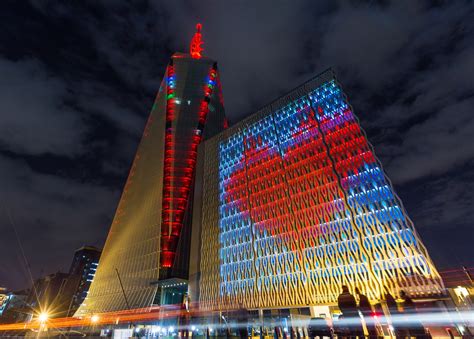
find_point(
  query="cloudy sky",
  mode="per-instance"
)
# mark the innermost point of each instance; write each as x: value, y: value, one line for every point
x: 78, y: 78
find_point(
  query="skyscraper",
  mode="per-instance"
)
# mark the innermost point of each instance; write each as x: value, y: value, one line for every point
x: 83, y: 269
x: 294, y: 204
x: 149, y: 236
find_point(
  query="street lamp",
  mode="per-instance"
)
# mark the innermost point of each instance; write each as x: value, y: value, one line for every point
x: 43, y: 317
x: 94, y: 318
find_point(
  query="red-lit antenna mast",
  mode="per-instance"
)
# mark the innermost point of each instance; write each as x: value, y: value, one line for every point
x: 196, y: 43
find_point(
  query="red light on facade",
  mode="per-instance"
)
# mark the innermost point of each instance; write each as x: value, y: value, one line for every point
x: 179, y: 166
x: 196, y: 44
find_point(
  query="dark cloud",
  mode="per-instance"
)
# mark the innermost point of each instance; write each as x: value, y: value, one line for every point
x: 78, y: 80
x: 438, y: 144
x: 51, y: 215
x: 29, y: 100
x: 449, y: 201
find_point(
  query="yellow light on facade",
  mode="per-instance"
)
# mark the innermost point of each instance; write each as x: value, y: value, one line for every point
x: 95, y: 318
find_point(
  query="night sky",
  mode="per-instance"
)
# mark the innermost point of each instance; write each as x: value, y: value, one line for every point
x: 78, y: 79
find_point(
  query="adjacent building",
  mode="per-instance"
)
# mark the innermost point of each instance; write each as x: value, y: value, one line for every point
x: 4, y: 298
x: 52, y: 294
x: 148, y: 241
x: 58, y: 294
x: 83, y: 268
x: 291, y: 203
x: 13, y: 306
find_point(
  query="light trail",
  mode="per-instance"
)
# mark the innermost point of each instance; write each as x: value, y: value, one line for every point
x: 109, y: 318
x: 155, y: 314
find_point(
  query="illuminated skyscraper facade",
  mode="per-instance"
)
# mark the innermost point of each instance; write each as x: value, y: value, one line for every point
x: 294, y: 204
x: 150, y: 233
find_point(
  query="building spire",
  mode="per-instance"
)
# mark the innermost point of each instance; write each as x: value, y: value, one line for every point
x: 196, y: 44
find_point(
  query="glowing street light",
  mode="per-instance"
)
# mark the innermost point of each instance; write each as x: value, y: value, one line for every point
x: 95, y: 318
x: 43, y: 317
